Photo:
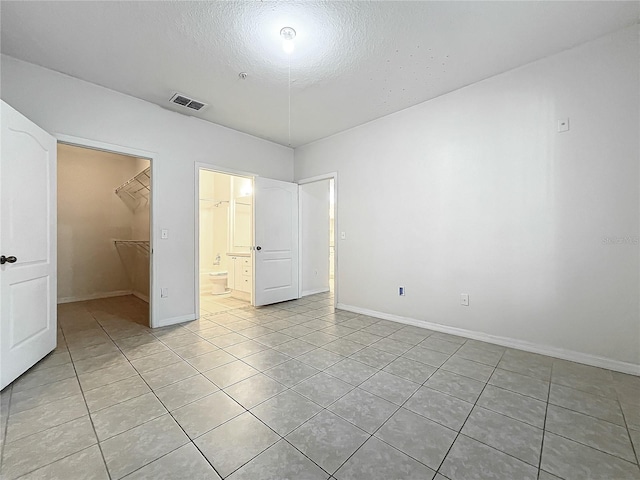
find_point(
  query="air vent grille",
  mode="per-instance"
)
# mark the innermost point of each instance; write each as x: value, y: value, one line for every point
x: 195, y: 105
x: 187, y: 102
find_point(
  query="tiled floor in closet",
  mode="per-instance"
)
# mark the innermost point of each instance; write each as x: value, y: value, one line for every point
x: 298, y: 391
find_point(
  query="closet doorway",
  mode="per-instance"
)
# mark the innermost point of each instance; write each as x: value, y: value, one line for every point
x: 317, y: 210
x: 225, y: 239
x: 104, y: 250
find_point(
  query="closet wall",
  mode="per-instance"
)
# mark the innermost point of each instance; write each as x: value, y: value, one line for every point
x: 90, y: 217
x: 140, y: 228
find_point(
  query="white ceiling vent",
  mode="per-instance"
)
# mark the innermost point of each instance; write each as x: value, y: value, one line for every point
x: 187, y: 102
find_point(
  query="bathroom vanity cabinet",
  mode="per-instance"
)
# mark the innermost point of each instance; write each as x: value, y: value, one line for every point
x: 240, y: 275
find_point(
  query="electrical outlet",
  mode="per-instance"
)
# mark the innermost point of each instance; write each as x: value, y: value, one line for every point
x: 464, y: 299
x: 401, y: 291
x: 164, y: 292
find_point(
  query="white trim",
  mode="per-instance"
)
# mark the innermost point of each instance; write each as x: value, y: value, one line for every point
x: 313, y: 292
x: 141, y: 296
x: 580, y: 357
x: 153, y: 159
x: 317, y: 178
x: 175, y: 320
x: 94, y: 296
x: 103, y: 146
x: 227, y: 171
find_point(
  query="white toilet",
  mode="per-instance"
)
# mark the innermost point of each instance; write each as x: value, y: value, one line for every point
x: 218, y: 283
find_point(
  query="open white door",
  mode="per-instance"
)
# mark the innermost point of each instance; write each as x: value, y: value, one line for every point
x: 276, y: 241
x: 27, y: 244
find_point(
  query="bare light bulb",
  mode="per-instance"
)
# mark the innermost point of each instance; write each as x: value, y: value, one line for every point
x: 287, y: 34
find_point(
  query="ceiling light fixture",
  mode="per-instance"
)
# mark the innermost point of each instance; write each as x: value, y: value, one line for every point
x: 287, y: 34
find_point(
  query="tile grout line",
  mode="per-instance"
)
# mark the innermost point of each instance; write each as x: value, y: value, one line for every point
x: 459, y: 432
x: 306, y: 421
x: 592, y: 417
x: 281, y: 438
x: 594, y: 448
x: 6, y: 428
x: 260, y: 420
x: 104, y: 460
x: 512, y: 456
x: 64, y: 423
x: 361, y: 328
x: 626, y: 424
x: 167, y: 412
x: 378, y: 369
x: 150, y: 390
x: 544, y: 424
x: 411, y: 396
x: 390, y: 417
x: 228, y: 420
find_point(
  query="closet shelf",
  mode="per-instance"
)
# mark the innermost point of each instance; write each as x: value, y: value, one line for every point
x: 137, y: 187
x: 143, y: 245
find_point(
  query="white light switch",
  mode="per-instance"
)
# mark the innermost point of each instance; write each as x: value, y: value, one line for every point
x: 164, y: 234
x: 563, y: 125
x: 464, y: 299
x: 164, y: 292
x: 343, y: 235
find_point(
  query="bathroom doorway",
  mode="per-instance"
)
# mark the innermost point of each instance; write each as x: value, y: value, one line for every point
x: 103, y: 237
x: 225, y: 239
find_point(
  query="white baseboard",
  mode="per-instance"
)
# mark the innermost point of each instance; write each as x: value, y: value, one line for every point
x: 141, y: 296
x: 94, y: 296
x: 175, y: 320
x: 313, y: 292
x: 573, y: 356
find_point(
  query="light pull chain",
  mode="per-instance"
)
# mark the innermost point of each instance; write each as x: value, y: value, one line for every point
x: 288, y: 34
x: 289, y: 56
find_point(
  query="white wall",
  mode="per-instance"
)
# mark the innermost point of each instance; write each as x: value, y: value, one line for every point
x: 241, y: 232
x: 314, y: 237
x: 64, y: 105
x: 90, y: 217
x: 475, y: 192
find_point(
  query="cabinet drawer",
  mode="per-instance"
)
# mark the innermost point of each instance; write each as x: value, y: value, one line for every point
x: 246, y: 271
x: 245, y: 284
x: 246, y: 261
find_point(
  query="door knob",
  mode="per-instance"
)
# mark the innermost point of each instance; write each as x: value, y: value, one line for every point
x: 4, y: 260
x: 258, y: 247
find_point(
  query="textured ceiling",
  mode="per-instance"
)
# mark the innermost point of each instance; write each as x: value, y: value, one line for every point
x: 353, y: 61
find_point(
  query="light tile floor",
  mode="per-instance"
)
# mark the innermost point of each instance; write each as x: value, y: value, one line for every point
x: 219, y: 303
x: 300, y: 391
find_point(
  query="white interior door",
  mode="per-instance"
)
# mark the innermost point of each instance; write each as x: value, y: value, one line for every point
x: 27, y: 244
x: 276, y: 241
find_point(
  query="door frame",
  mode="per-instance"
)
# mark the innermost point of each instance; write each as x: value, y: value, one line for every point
x: 317, y: 178
x: 132, y: 152
x: 198, y: 166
